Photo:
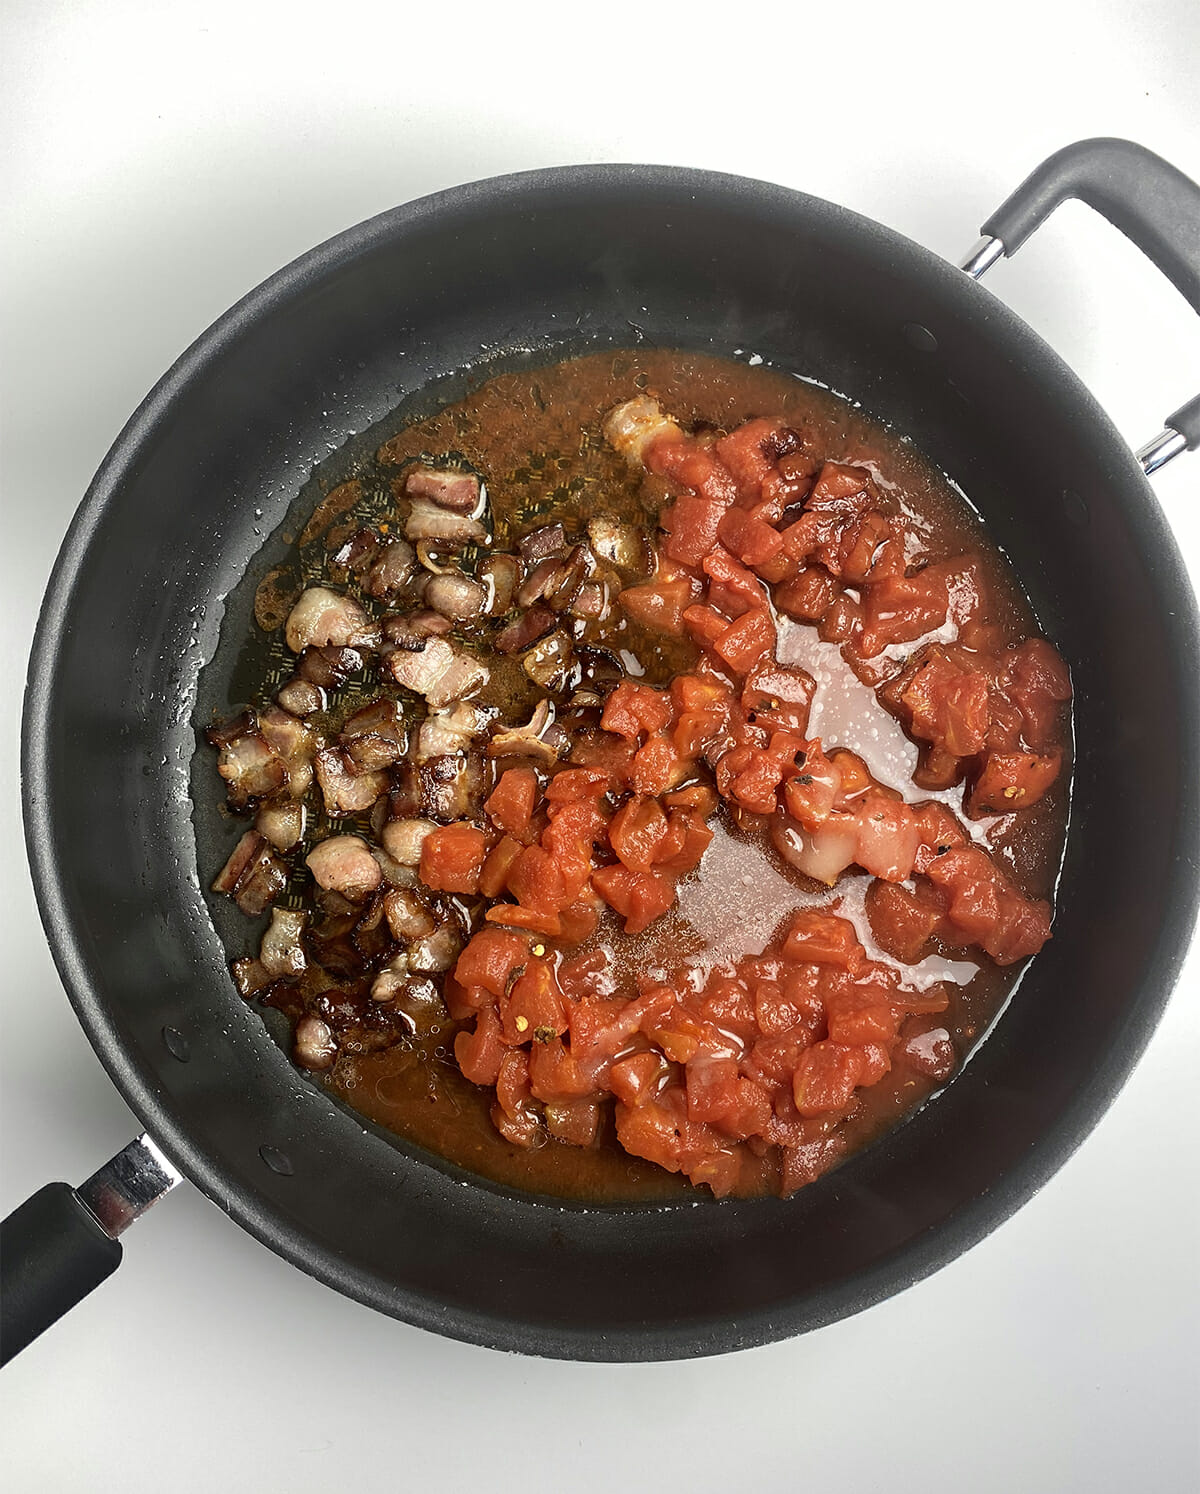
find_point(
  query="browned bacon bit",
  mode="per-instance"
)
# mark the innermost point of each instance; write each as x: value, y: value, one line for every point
x: 625, y: 545
x: 323, y: 617
x: 456, y: 596
x: 501, y: 574
x: 281, y: 952
x: 328, y: 668
x: 428, y: 521
x: 293, y: 743
x: 526, y: 629
x: 391, y: 570
x: 344, y: 864
x: 440, y: 672
x: 249, y: 977
x: 452, y: 729
x: 282, y: 823
x: 300, y: 698
x: 541, y: 544
x: 551, y: 663
x: 407, y: 916
x: 251, y: 769
x: 374, y: 737
x: 633, y: 426
x: 412, y: 630
x: 448, y: 487
x: 529, y: 740
x: 346, y: 790
x: 452, y: 786
x: 315, y: 1047
x: 403, y: 839
x: 435, y: 953
x: 358, y: 552
x: 253, y: 876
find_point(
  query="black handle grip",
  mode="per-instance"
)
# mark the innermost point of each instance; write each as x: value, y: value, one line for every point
x: 1147, y: 198
x: 52, y: 1254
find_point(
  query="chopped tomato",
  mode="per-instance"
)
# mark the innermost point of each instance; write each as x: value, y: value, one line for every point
x: 638, y: 896
x: 510, y: 806
x: 452, y: 858
x: 513, y: 915
x: 752, y: 540
x: 546, y: 882
x: 555, y: 1074
x: 1012, y: 780
x: 493, y: 878
x: 751, y: 451
x: 695, y: 464
x: 705, y: 624
x: 808, y: 596
x: 658, y: 605
x: 861, y: 1015
x: 637, y: 833
x: 534, y: 1006
x: 692, y: 524
x: 479, y: 1053
x: 711, y: 1088
x: 655, y: 767
x: 633, y: 708
x: 490, y: 958
x: 686, y: 842
x: 745, y: 641
x: 571, y: 784
x: 904, y: 921
x: 638, y: 1078
x: 820, y: 938
x: 826, y: 1077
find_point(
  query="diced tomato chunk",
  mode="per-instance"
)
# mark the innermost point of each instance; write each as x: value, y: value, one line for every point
x: 637, y: 832
x: 638, y: 896
x: 510, y: 805
x: 633, y: 708
x: 745, y: 641
x: 490, y: 958
x: 452, y: 858
x: 572, y: 784
x: 494, y: 876
x: 658, y: 605
x: 904, y: 921
x: 711, y: 1088
x: 752, y: 540
x: 638, y: 1078
x: 655, y: 766
x: 692, y: 524
x: 861, y: 1015
x: 826, y: 1077
x: 705, y: 624
x: 820, y: 938
x: 479, y: 1053
x: 1013, y: 780
x: 534, y: 1007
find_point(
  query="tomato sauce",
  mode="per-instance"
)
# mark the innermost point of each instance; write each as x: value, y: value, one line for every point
x: 799, y: 829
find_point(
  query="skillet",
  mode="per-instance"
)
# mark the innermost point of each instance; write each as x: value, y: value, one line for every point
x: 143, y: 620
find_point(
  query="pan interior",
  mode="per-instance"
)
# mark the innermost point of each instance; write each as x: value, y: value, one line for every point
x: 409, y: 309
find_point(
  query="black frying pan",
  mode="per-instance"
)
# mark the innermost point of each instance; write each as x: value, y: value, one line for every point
x: 542, y: 266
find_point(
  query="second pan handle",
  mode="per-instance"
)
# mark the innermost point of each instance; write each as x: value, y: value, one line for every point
x: 1149, y: 200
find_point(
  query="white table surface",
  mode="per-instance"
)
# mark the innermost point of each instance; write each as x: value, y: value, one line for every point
x: 160, y: 159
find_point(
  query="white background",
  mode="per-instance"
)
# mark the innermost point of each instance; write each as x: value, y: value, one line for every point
x: 160, y: 159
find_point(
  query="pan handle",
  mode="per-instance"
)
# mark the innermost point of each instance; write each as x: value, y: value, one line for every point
x: 1149, y: 200
x: 63, y: 1242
